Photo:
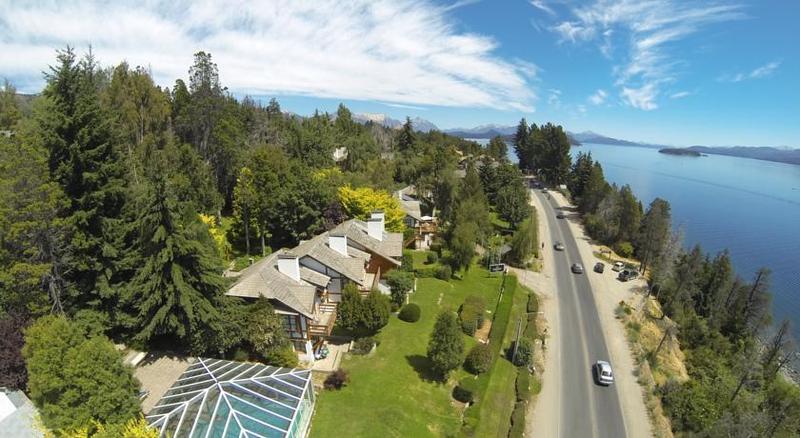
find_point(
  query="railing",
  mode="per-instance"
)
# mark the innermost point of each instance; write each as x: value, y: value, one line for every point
x: 324, y: 329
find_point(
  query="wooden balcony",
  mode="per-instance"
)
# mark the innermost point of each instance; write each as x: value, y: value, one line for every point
x: 324, y: 319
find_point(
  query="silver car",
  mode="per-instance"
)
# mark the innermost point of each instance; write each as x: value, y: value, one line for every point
x: 558, y: 246
x: 577, y: 268
x: 603, y: 373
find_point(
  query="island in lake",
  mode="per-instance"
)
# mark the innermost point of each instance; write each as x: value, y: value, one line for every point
x: 680, y: 151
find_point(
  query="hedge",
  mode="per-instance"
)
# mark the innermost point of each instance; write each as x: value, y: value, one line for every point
x: 523, y: 385
x: 533, y: 303
x: 410, y: 313
x: 518, y: 421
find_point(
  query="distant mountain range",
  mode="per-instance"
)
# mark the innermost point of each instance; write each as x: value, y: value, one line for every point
x: 419, y: 124
x: 766, y: 153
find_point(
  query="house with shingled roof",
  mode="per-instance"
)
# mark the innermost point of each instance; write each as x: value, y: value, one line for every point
x: 305, y: 283
x: 424, y: 226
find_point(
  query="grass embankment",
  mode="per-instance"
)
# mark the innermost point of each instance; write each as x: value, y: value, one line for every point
x: 645, y: 330
x: 392, y: 392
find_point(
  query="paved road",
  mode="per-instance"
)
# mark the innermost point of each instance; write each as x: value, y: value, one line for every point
x: 586, y: 409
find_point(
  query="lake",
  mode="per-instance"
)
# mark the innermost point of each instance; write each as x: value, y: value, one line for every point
x: 749, y: 206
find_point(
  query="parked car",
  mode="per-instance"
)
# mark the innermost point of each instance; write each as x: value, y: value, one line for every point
x: 628, y: 274
x: 558, y: 246
x: 544, y: 190
x: 599, y: 267
x: 577, y: 268
x: 602, y: 373
x: 561, y: 215
x: 617, y: 266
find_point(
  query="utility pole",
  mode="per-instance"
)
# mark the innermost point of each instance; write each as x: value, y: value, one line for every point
x: 516, y: 342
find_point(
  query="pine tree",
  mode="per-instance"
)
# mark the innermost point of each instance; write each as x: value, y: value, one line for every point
x: 178, y: 282
x: 406, y: 137
x: 522, y: 146
x: 84, y: 161
x: 9, y: 110
x: 497, y: 149
x: 446, y: 346
x: 351, y: 308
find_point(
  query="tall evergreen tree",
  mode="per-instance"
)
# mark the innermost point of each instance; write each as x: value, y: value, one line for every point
x: 84, y: 161
x: 406, y: 137
x: 9, y: 110
x: 245, y: 204
x: 446, y: 346
x: 178, y: 282
x: 654, y: 232
x: 497, y: 149
x: 522, y: 146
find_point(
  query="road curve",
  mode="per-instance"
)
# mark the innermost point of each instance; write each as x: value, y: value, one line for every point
x: 585, y: 409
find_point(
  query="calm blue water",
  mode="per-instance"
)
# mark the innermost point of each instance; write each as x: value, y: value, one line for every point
x: 749, y: 206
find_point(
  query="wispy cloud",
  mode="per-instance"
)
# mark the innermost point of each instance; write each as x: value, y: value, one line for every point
x: 761, y: 72
x: 402, y: 52
x: 649, y: 29
x: 554, y: 98
x: 680, y: 95
x: 400, y: 105
x: 598, y: 97
x: 542, y: 5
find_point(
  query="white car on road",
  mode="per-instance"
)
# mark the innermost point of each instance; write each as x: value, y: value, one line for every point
x: 603, y: 373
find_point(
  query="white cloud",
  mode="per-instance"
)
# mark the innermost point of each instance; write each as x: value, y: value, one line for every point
x: 680, y: 95
x: 598, y: 97
x: 643, y: 97
x: 650, y: 29
x: 541, y: 5
x: 403, y: 52
x: 765, y: 70
x: 761, y: 72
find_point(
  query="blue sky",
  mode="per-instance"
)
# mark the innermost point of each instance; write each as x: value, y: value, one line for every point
x: 665, y: 71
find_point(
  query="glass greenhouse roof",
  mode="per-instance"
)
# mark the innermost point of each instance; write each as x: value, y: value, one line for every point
x: 222, y: 398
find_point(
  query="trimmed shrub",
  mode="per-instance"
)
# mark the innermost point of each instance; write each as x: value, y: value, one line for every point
x: 410, y: 313
x: 429, y: 272
x: 432, y: 258
x: 471, y: 314
x: 466, y: 390
x: 533, y: 303
x: 400, y: 283
x: 523, y: 385
x: 437, y: 248
x: 524, y: 355
x: 363, y: 345
x: 283, y: 357
x: 479, y: 359
x: 337, y: 379
x: 444, y: 273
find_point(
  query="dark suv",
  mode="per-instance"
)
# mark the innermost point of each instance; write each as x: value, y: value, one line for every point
x: 599, y: 267
x: 628, y: 275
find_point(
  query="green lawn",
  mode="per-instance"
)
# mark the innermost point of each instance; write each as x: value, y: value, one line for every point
x: 390, y: 393
x: 421, y: 259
